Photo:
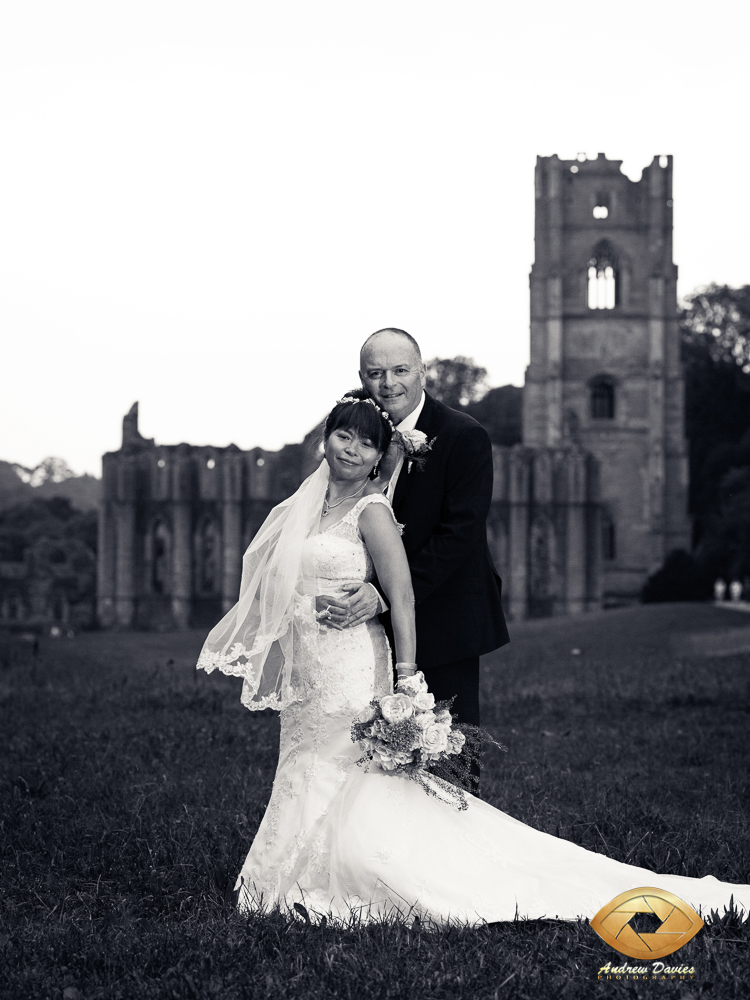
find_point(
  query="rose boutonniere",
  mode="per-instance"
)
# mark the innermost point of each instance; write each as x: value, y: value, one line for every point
x: 416, y: 446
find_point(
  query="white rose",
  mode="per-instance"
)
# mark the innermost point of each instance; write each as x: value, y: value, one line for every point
x: 456, y: 740
x: 390, y: 759
x: 425, y: 720
x: 443, y: 717
x: 434, y: 740
x: 424, y: 701
x: 412, y: 685
x: 417, y: 439
x: 377, y: 729
x: 367, y: 714
x: 396, y: 708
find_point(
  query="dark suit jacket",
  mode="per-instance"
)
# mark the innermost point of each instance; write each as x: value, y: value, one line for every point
x: 443, y: 508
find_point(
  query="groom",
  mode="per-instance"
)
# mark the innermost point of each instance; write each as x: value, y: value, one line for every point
x: 443, y: 507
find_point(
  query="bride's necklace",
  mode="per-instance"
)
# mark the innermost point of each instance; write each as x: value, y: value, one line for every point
x: 329, y: 506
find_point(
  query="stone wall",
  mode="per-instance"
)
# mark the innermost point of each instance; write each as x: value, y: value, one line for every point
x: 543, y: 530
x: 175, y: 521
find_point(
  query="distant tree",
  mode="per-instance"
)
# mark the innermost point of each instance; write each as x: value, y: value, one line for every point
x: 456, y: 381
x: 56, y: 543
x: 717, y: 318
x: 49, y: 470
x: 715, y: 336
x: 724, y: 546
x: 715, y: 330
x: 55, y: 518
x: 499, y: 412
x: 681, y: 578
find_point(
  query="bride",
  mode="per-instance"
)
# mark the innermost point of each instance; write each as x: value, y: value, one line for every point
x: 335, y: 837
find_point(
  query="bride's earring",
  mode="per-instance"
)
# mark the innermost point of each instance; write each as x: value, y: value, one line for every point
x: 376, y: 470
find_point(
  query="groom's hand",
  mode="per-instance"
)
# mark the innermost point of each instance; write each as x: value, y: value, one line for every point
x: 346, y: 612
x: 363, y: 604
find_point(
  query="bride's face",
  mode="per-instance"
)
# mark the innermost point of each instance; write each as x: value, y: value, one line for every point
x: 349, y: 456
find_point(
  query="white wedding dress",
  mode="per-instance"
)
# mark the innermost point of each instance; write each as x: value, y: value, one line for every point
x: 339, y: 839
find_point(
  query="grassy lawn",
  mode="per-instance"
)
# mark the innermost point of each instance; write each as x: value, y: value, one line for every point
x: 132, y: 787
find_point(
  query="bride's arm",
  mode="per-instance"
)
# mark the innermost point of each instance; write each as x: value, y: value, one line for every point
x: 387, y: 551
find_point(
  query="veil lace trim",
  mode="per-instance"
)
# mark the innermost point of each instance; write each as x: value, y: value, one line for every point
x: 271, y: 629
x: 260, y: 639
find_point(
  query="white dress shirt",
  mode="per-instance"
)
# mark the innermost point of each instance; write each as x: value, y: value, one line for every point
x: 407, y: 424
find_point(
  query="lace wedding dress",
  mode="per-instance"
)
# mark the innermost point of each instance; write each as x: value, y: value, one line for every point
x: 338, y: 839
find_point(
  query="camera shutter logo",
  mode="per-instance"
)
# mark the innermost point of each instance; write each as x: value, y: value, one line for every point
x: 679, y: 923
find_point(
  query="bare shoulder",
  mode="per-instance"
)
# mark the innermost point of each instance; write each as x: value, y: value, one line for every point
x: 376, y: 506
x: 374, y: 487
x: 378, y: 524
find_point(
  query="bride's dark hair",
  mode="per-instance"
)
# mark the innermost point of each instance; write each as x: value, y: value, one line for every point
x: 364, y: 418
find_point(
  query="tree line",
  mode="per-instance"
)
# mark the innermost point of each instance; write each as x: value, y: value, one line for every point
x: 715, y: 337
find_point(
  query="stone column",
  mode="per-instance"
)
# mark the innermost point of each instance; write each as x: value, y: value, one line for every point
x: 554, y: 362
x: 232, y: 467
x: 656, y: 421
x: 519, y: 529
x: 593, y: 522
x: 125, y: 542
x: 575, y: 542
x: 657, y: 190
x: 182, y: 540
x: 554, y: 294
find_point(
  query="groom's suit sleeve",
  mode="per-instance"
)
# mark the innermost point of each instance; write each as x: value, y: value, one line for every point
x: 463, y: 517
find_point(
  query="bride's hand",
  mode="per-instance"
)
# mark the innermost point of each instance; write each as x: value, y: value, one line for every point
x: 331, y: 611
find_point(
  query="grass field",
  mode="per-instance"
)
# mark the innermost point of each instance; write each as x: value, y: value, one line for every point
x: 132, y: 787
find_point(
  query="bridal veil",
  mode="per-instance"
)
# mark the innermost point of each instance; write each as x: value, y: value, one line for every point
x: 260, y: 638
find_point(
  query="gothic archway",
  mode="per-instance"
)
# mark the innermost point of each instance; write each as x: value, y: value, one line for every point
x: 602, y: 398
x: 207, y: 561
x: 160, y: 558
x: 542, y: 567
x: 603, y: 277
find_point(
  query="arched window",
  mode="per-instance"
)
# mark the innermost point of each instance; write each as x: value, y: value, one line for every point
x: 160, y: 559
x: 603, y: 278
x: 59, y: 607
x: 542, y: 580
x: 603, y: 399
x: 609, y: 537
x: 208, y: 559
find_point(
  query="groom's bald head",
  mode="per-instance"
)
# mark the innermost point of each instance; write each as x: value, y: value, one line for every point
x: 387, y: 333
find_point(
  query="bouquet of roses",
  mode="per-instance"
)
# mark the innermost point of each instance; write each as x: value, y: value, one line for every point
x: 408, y: 733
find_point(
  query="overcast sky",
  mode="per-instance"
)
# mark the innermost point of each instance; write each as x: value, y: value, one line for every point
x: 207, y: 206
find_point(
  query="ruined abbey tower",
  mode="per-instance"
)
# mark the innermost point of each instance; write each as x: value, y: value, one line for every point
x: 605, y: 371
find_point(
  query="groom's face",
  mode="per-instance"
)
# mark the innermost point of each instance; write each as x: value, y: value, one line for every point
x: 393, y: 374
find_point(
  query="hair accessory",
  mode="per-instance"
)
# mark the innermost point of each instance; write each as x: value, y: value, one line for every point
x: 371, y: 401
